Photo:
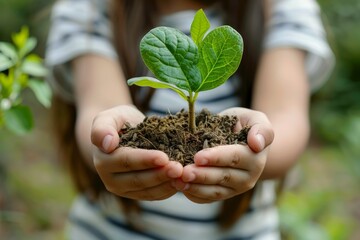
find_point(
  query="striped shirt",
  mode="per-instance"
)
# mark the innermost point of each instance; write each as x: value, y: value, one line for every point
x: 175, y: 218
x: 83, y: 26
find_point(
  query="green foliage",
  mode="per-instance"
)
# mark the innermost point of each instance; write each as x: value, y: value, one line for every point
x: 220, y: 56
x: 190, y: 65
x: 311, y: 216
x: 172, y: 57
x: 199, y: 27
x: 34, y: 14
x: 339, y: 100
x: 20, y: 69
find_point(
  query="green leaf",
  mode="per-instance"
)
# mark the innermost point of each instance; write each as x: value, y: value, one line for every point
x: 6, y: 83
x: 21, y: 37
x: 18, y: 119
x: 42, y: 91
x: 220, y: 56
x: 8, y: 50
x: 5, y: 63
x: 155, y: 83
x: 34, y: 67
x: 29, y: 45
x: 199, y: 27
x: 22, y: 81
x: 172, y: 57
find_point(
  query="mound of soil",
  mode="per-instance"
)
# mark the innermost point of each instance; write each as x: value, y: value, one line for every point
x: 171, y: 135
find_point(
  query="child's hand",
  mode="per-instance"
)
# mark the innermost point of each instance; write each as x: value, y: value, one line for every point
x: 225, y: 171
x: 127, y: 172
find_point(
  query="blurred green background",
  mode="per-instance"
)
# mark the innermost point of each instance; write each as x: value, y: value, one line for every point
x: 322, y: 197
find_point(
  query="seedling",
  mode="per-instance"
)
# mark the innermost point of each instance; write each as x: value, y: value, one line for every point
x: 189, y: 65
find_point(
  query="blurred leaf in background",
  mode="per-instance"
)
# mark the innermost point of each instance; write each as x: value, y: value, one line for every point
x: 336, y: 108
x: 35, y: 193
x: 13, y: 16
x: 33, y: 13
x: 325, y: 204
x: 20, y: 69
x: 339, y: 100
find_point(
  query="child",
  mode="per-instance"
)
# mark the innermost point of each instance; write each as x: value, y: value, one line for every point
x: 127, y: 193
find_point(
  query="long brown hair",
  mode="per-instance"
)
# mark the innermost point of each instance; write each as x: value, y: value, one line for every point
x: 135, y: 18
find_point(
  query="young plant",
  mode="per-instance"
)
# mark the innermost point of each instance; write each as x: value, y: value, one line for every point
x: 20, y: 69
x: 189, y: 65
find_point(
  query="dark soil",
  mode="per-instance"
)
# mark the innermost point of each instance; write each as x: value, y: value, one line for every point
x: 170, y: 134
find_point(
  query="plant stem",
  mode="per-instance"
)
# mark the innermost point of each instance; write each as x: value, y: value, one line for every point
x: 191, y: 102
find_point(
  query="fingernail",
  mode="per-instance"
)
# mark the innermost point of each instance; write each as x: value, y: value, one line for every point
x: 107, y: 142
x: 261, y: 141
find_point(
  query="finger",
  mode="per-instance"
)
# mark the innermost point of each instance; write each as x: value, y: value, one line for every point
x: 233, y: 156
x: 235, y: 179
x: 208, y: 193
x: 160, y: 192
x: 139, y: 180
x: 259, y: 137
x: 261, y: 133
x: 197, y: 199
x: 107, y: 124
x: 126, y: 159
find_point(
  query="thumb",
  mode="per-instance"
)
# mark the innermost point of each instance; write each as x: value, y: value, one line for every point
x: 107, y: 125
x: 104, y: 133
x: 109, y: 143
x: 259, y: 138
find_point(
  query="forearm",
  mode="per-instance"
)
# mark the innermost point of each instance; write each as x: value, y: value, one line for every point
x: 282, y: 93
x: 99, y: 85
x: 291, y: 137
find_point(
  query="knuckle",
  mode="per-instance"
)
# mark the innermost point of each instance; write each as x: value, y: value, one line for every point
x: 225, y: 179
x: 217, y: 161
x: 235, y: 159
x: 204, y: 177
x: 125, y: 163
x: 217, y: 194
x: 136, y: 182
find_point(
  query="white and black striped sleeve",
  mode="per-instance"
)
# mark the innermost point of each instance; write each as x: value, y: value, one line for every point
x: 77, y: 27
x: 294, y: 23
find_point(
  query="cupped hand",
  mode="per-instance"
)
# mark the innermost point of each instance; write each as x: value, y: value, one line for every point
x: 222, y: 172
x: 127, y: 172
